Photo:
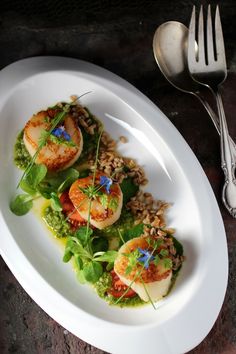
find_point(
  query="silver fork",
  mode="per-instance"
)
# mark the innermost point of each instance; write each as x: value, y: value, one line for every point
x: 207, y: 65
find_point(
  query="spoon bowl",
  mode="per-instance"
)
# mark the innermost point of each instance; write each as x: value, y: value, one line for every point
x: 170, y: 48
x: 170, y: 51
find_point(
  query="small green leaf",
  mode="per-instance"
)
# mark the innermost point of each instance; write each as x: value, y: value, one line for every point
x: 103, y: 200
x: 83, y: 234
x: 53, y: 181
x: 156, y: 260
x: 108, y: 256
x: 132, y: 259
x: 164, y: 252
x: 90, y: 191
x: 74, y: 246
x: 69, y: 246
x: 113, y: 204
x: 70, y: 177
x: 157, y: 243
x: 66, y: 184
x: 84, y: 173
x: 135, y: 231
x: 77, y: 248
x: 67, y: 256
x: 43, y: 137
x: 178, y: 246
x: 80, y: 277
x: 92, y: 271
x: 55, y: 202
x: 167, y: 262
x: 129, y: 189
x: 61, y: 141
x: 47, y: 119
x: 70, y: 172
x: 33, y: 178
x: 99, y: 244
x: 21, y: 205
x: 109, y: 266
x: 45, y: 189
x: 36, y: 175
x: 78, y: 262
x: 128, y: 270
x: 26, y: 187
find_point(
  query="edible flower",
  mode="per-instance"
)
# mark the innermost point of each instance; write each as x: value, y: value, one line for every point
x: 61, y: 133
x: 106, y: 182
x: 146, y: 257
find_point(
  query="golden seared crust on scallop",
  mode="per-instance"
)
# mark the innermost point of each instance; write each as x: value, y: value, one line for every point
x: 55, y: 156
x: 153, y: 273
x: 101, y: 215
x: 151, y: 283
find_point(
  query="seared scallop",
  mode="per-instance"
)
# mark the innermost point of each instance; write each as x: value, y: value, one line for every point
x: 148, y: 282
x: 101, y: 208
x: 56, y: 156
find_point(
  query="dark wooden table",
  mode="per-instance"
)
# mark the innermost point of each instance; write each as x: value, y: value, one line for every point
x: 118, y: 36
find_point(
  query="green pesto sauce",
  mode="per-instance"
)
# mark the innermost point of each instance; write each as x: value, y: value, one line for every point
x: 104, y: 283
x: 58, y: 224
x: 21, y: 156
x: 129, y: 302
x: 56, y: 221
x: 125, y: 222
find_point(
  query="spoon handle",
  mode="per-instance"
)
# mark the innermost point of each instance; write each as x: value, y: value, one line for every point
x: 216, y: 123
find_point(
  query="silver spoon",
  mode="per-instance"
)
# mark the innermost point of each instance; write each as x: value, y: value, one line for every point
x: 170, y: 50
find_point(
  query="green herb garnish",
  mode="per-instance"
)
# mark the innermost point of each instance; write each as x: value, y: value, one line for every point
x: 129, y: 189
x: 21, y: 204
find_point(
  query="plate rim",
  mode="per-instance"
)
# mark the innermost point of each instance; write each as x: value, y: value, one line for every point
x: 30, y: 66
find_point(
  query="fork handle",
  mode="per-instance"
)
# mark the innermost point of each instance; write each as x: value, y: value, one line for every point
x: 227, y: 162
x: 216, y: 122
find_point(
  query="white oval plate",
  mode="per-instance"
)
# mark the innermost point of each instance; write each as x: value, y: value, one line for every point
x: 184, y: 317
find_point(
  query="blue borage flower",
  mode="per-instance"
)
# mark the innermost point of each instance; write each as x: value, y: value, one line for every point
x: 61, y: 133
x: 146, y: 257
x: 66, y: 136
x: 106, y: 182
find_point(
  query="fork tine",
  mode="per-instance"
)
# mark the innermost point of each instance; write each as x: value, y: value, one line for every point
x: 219, y: 39
x: 201, y: 50
x: 191, y: 40
x: 210, y: 48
